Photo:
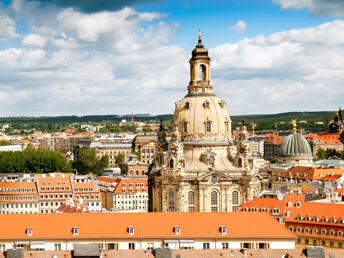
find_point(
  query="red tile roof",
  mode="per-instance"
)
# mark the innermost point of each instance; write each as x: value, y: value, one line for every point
x: 310, y: 173
x: 332, y: 178
x: 74, y: 207
x: 127, y: 181
x: 271, y: 203
x: 146, y: 225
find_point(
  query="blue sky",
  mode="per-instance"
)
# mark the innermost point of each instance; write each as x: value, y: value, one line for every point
x: 117, y: 57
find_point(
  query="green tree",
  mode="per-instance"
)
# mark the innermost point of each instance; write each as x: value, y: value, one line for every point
x: 119, y: 159
x: 4, y: 143
x: 86, y: 162
x: 321, y: 154
x: 138, y: 154
x: 273, y: 161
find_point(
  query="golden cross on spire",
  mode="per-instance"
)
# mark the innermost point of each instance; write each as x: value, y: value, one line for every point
x: 199, y: 34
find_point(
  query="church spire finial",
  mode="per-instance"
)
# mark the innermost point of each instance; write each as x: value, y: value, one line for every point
x: 199, y: 34
x: 294, y: 125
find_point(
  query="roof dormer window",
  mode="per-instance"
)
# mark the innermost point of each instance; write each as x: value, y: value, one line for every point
x: 223, y: 230
x: 324, y: 220
x: 298, y: 204
x: 29, y: 231
x: 131, y: 230
x: 177, y: 230
x: 75, y: 231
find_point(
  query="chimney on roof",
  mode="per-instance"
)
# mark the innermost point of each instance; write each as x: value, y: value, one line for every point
x: 81, y: 201
x: 77, y: 207
x: 291, y: 191
x: 83, y: 208
x: 71, y: 202
x: 299, y: 192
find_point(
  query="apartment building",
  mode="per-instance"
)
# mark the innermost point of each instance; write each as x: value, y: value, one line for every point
x: 145, y: 144
x: 318, y: 224
x: 18, y: 197
x: 124, y: 194
x: 84, y: 190
x: 53, y: 190
x: 131, y: 194
x: 132, y: 231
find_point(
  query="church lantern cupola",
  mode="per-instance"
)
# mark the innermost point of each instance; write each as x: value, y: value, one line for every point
x: 200, y: 70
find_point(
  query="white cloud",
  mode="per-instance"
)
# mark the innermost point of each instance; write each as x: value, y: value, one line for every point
x: 122, y: 62
x: 239, y: 27
x: 316, y: 7
x: 34, y: 40
x: 297, y: 69
x: 7, y: 28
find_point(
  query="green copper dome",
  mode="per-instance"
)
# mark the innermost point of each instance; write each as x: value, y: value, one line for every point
x: 295, y: 146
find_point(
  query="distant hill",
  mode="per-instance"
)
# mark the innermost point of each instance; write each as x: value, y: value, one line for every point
x: 263, y: 121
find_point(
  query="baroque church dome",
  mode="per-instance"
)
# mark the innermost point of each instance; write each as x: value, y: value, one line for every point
x: 295, y: 146
x: 200, y: 115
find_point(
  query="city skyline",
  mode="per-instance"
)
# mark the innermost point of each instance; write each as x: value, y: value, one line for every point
x: 268, y: 56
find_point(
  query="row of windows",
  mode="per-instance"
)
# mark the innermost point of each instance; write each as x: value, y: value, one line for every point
x: 319, y: 242
x: 317, y: 219
x: 55, y: 196
x: 83, y: 189
x: 275, y: 211
x: 315, y: 231
x: 207, y: 126
x: 18, y: 190
x: 12, y: 198
x: 214, y: 201
x: 19, y: 205
x: 53, y: 188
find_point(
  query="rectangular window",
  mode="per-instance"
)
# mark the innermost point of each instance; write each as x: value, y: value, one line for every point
x: 323, y: 243
x: 225, y: 245
x: 314, y: 242
x: 340, y: 245
x: 331, y: 244
x: 206, y: 245
x: 131, y: 246
x: 208, y: 127
x: 112, y: 246
x: 57, y: 247
x: 185, y: 127
x: 306, y: 241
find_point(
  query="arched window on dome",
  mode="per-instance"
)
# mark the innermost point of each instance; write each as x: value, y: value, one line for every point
x: 191, y: 201
x: 214, y: 201
x: 170, y: 201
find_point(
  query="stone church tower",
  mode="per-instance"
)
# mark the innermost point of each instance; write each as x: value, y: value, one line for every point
x: 196, y: 170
